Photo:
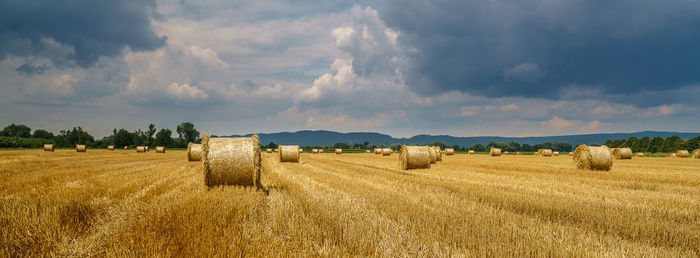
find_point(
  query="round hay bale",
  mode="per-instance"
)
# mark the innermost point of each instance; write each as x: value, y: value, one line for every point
x: 338, y: 151
x: 505, y: 153
x: 696, y: 154
x: 268, y: 150
x: 80, y: 148
x: 571, y: 153
x: 320, y: 150
x: 110, y: 147
x: 495, y: 152
x: 471, y: 152
x: 640, y: 154
x: 449, y: 151
x: 412, y: 157
x: 671, y: 155
x: 140, y: 149
x: 48, y: 147
x: 276, y: 150
x: 622, y: 153
x: 301, y: 150
x: 546, y: 152
x: 314, y: 151
x: 194, y: 152
x: 555, y: 153
x: 432, y: 157
x: 289, y: 153
x: 593, y: 158
x: 126, y: 147
x: 518, y: 153
x: 438, y: 152
x: 386, y: 152
x: 377, y: 151
x: 368, y: 151
x: 231, y: 161
x: 682, y: 154
x: 160, y: 149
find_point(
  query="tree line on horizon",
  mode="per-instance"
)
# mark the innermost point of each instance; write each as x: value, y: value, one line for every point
x: 21, y: 136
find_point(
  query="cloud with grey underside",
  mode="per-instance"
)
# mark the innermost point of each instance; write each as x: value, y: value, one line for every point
x: 88, y: 29
x: 548, y: 49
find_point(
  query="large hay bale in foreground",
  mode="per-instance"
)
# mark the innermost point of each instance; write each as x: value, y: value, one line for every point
x: 682, y: 154
x: 411, y: 157
x: 640, y: 154
x: 80, y: 148
x: 231, y: 161
x: 546, y: 152
x: 495, y: 152
x: 289, y: 153
x: 386, y: 151
x: 194, y: 152
x: 696, y: 154
x: 449, y: 151
x: 48, y: 147
x: 140, y: 149
x: 593, y: 158
x: 338, y: 151
x: 160, y: 149
x: 622, y: 153
x: 110, y: 147
x: 471, y: 152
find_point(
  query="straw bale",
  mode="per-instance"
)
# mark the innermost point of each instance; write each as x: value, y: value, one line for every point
x: 268, y: 150
x: 140, y: 149
x: 470, y: 152
x: 127, y: 147
x: 80, y: 148
x: 682, y: 154
x: 432, y: 156
x: 449, y: 151
x: 110, y: 147
x: 671, y: 155
x: 368, y: 151
x: 160, y: 149
x: 518, y: 153
x: 696, y: 154
x: 194, y: 152
x: 377, y: 151
x: 314, y: 151
x: 640, y: 154
x: 438, y: 153
x: 495, y: 152
x: 301, y: 150
x: 289, y: 153
x: 555, y: 153
x: 546, y: 152
x: 386, y: 152
x: 622, y: 153
x: 148, y: 148
x: 593, y: 158
x: 48, y: 147
x: 505, y: 153
x: 231, y: 161
x: 412, y: 157
x: 338, y: 151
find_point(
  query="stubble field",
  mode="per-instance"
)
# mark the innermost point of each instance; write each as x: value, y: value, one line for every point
x: 123, y: 203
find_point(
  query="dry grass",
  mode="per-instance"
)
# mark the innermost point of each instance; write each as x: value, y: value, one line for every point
x: 121, y: 203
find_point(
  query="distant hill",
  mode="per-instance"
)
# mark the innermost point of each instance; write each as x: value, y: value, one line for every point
x: 327, y: 138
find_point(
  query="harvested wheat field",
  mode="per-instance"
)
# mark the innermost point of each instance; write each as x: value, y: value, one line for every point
x: 123, y: 203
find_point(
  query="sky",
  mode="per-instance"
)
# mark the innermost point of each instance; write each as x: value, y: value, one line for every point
x: 399, y: 67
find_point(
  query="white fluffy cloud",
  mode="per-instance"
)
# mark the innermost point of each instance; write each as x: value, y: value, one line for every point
x: 185, y: 92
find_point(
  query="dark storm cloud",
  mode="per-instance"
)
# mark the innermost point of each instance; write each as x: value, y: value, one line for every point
x: 92, y: 29
x: 538, y: 48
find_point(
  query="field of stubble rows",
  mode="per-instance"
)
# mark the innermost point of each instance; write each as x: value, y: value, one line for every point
x: 124, y: 203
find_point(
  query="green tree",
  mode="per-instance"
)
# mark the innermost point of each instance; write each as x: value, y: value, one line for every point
x: 341, y: 145
x: 43, y: 134
x: 69, y: 138
x: 164, y: 137
x: 151, y: 131
x: 656, y: 145
x: 123, y: 138
x: 633, y: 143
x: 13, y: 130
x: 644, y: 144
x: 478, y: 147
x: 187, y: 133
x: 693, y: 143
x: 439, y: 143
